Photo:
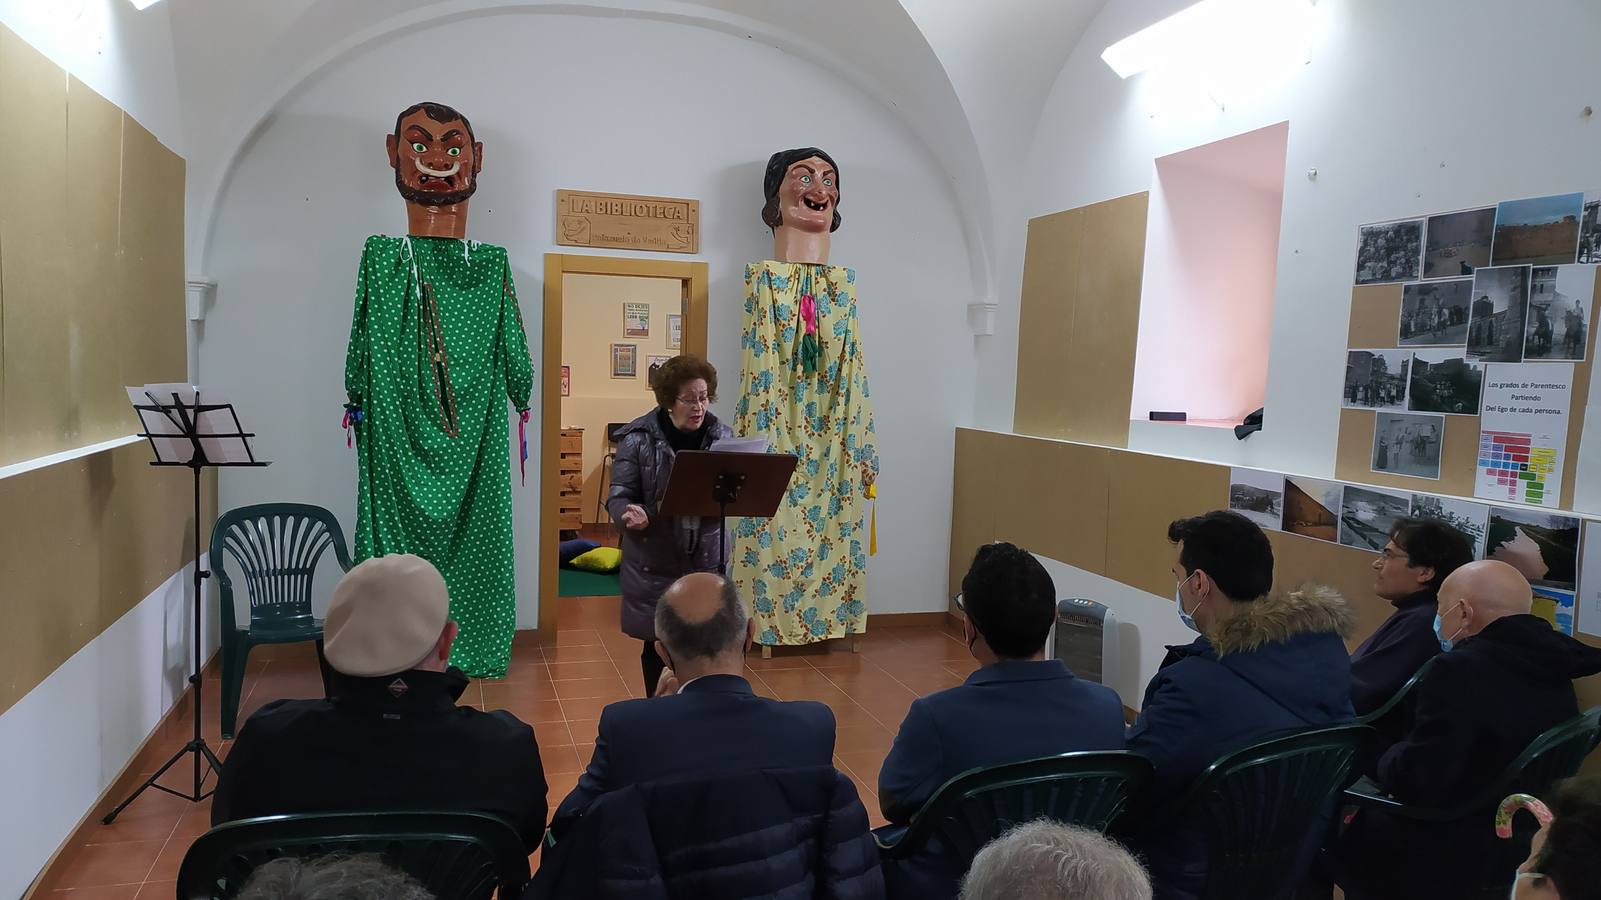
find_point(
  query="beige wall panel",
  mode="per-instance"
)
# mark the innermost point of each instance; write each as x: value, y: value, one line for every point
x: 1147, y: 493
x: 1375, y: 317
x: 150, y: 259
x: 1581, y: 397
x: 1106, y: 320
x: 972, y: 499
x: 1298, y: 560
x: 86, y: 540
x: 1051, y: 499
x: 1458, y: 456
x: 1045, y: 321
x: 96, y: 400
x: 33, y: 257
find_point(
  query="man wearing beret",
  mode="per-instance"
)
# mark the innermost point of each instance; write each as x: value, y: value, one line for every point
x: 390, y: 735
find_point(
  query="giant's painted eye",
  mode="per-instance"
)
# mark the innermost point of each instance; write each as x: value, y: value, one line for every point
x: 806, y: 179
x: 454, y: 151
x: 418, y: 146
x: 828, y: 182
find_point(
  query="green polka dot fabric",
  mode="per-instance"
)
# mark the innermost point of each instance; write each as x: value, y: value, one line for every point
x: 422, y: 490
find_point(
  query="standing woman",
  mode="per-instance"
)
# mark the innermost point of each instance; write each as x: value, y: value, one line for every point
x: 658, y: 550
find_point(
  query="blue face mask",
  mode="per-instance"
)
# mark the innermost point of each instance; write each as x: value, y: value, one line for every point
x: 1446, y: 643
x: 1178, y: 600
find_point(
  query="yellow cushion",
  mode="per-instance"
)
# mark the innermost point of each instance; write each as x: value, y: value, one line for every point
x: 600, y: 559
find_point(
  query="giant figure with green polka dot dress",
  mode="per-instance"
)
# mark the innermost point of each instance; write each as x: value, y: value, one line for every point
x: 436, y: 348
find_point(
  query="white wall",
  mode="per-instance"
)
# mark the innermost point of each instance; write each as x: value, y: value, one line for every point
x: 1405, y: 108
x: 561, y: 101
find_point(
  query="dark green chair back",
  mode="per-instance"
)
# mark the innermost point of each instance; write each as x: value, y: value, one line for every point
x: 1259, y: 808
x: 456, y: 855
x: 970, y: 810
x: 1378, y: 718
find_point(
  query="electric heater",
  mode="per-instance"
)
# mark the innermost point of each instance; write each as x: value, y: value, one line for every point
x: 1085, y: 638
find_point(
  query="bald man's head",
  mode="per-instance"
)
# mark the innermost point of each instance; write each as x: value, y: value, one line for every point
x: 1478, y: 594
x: 701, y: 616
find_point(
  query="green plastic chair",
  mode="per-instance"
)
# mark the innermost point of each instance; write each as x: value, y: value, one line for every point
x: 456, y: 855
x: 971, y: 809
x: 1377, y: 716
x: 1554, y: 755
x: 1260, y: 806
x: 276, y: 547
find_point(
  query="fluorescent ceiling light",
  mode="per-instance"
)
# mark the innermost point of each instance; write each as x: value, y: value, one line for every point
x: 143, y: 4
x: 1214, y: 32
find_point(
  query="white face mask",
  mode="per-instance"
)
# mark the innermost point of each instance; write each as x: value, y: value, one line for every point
x: 1513, y: 894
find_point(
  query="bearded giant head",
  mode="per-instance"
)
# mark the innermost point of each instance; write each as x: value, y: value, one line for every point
x: 435, y: 158
x: 801, y: 187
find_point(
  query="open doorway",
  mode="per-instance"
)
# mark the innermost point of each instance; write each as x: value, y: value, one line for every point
x: 607, y: 320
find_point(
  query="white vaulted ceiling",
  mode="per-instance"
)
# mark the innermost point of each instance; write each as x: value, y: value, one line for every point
x: 968, y: 77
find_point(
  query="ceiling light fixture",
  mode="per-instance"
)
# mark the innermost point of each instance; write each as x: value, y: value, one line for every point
x: 1217, y: 32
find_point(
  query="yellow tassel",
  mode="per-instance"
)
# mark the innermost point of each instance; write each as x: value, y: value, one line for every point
x: 872, y: 527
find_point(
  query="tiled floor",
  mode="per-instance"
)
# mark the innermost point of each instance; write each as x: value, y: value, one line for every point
x: 560, y: 690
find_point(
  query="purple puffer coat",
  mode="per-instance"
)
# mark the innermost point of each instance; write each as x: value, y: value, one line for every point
x: 666, y: 549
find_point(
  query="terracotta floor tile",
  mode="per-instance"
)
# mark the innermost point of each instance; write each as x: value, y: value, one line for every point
x: 583, y: 730
x: 166, y: 867
x: 600, y: 668
x: 581, y: 653
x: 534, y: 712
x: 101, y: 865
x: 610, y: 687
x: 111, y: 892
x: 586, y: 708
x: 158, y: 890
x: 577, y: 637
x: 864, y: 764
x: 498, y: 694
x: 561, y: 761
x: 552, y: 734
x: 862, y: 737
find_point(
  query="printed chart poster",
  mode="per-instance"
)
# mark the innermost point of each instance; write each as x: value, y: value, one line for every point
x: 1523, y: 433
x: 1589, y: 601
x: 1258, y: 496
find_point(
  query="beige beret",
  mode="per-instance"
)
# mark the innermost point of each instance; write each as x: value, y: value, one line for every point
x: 386, y: 616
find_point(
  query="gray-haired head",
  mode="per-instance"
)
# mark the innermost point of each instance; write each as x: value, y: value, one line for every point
x: 701, y: 617
x: 334, y: 877
x: 1045, y: 860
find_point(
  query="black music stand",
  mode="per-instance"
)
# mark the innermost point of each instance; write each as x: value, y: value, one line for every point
x: 180, y: 434
x: 709, y: 483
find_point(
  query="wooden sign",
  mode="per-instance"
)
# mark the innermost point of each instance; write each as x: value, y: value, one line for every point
x: 627, y: 222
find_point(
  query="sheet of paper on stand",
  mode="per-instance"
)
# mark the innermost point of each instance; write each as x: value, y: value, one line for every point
x: 741, y: 445
x: 226, y: 449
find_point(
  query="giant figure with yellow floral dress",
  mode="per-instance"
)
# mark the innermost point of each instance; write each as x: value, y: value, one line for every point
x: 436, y: 349
x: 803, y: 386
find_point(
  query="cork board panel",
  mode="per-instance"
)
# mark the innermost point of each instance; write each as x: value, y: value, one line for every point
x: 1298, y: 560
x: 1459, y: 454
x: 972, y: 499
x: 150, y: 259
x: 1045, y: 321
x: 1147, y: 493
x: 1106, y: 321
x: 33, y: 261
x: 1375, y: 317
x: 98, y: 406
x: 86, y: 540
x: 1050, y: 498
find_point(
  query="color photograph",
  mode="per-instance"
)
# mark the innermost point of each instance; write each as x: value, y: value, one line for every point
x: 1590, y: 229
x: 1463, y: 515
x: 1375, y: 379
x: 1457, y: 243
x: 1543, y: 546
x: 624, y: 360
x: 1500, y: 309
x: 1556, y: 607
x: 636, y: 320
x: 1389, y: 252
x: 1407, y: 444
x: 566, y: 381
x: 1560, y: 299
x: 1368, y: 514
x: 1312, y: 507
x: 653, y: 364
x: 1540, y: 231
x: 1258, y: 496
x: 1435, y: 313
x: 1443, y: 381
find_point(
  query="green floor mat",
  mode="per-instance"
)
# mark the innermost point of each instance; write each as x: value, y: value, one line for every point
x: 573, y: 583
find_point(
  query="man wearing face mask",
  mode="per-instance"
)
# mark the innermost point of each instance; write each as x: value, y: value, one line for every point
x: 1505, y: 677
x: 1262, y: 664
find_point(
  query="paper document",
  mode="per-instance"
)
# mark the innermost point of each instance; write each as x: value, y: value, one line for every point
x: 741, y: 445
x: 217, y: 428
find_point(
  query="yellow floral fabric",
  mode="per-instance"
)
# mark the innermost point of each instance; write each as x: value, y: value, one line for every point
x: 805, y: 569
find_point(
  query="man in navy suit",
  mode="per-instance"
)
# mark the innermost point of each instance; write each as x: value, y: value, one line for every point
x: 704, y: 718
x: 1018, y: 705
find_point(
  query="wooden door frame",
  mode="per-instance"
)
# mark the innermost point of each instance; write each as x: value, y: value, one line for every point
x: 693, y: 276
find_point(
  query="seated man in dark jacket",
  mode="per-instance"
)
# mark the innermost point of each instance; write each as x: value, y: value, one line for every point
x: 1505, y: 678
x: 391, y: 735
x: 1018, y: 705
x: 704, y: 719
x: 1408, y: 573
x: 1262, y: 665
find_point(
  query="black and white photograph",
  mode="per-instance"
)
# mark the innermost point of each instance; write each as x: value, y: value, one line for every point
x: 1435, y: 313
x: 1463, y: 515
x: 1408, y: 444
x: 1368, y: 514
x: 1540, y: 231
x: 1590, y: 229
x: 1543, y: 546
x: 1312, y: 507
x: 1443, y: 381
x: 1457, y: 243
x: 1258, y: 496
x: 1389, y: 252
x: 1375, y: 379
x: 1560, y: 299
x: 1500, y: 308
